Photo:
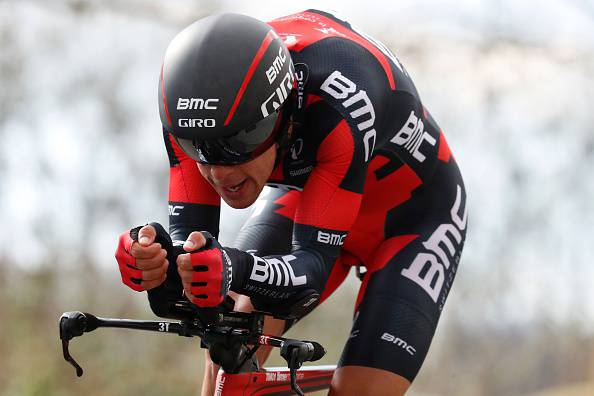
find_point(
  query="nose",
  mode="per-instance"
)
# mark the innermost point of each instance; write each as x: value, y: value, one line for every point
x: 221, y: 173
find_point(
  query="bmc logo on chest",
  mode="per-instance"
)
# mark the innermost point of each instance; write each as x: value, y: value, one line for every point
x: 340, y: 87
x: 412, y: 135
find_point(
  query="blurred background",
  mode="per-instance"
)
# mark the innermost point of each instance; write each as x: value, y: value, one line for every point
x: 81, y: 159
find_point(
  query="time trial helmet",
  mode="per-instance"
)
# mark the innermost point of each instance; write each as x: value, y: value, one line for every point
x: 225, y: 89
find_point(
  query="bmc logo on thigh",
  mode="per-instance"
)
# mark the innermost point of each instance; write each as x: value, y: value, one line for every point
x: 399, y: 342
x: 428, y: 268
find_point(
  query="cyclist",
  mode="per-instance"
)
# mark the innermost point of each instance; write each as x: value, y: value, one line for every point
x: 363, y: 177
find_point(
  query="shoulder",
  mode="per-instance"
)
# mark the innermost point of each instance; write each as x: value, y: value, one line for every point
x: 326, y: 44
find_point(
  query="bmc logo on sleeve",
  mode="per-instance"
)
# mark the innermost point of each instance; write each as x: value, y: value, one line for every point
x: 428, y: 268
x: 175, y: 210
x: 330, y: 238
x: 275, y: 271
x: 341, y: 88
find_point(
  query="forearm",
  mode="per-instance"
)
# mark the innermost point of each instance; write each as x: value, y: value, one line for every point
x: 184, y: 218
x: 281, y: 277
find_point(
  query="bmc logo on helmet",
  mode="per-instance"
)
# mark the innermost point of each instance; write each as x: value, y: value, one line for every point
x: 196, y: 104
x: 196, y: 122
x: 277, y: 66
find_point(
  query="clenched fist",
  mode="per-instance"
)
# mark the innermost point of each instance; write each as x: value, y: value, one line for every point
x: 143, y: 264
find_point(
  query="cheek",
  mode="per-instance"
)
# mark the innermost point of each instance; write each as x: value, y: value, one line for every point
x: 203, y: 169
x: 261, y: 169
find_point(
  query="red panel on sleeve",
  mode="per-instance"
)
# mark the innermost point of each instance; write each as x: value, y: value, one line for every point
x: 443, y: 152
x: 186, y: 184
x: 323, y: 203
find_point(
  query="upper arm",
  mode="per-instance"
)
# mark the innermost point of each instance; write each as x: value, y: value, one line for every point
x: 332, y: 195
x: 193, y: 204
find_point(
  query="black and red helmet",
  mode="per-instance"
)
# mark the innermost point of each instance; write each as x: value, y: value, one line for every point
x: 224, y: 83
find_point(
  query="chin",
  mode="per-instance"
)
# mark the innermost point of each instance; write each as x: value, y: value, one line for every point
x: 244, y: 200
x: 238, y: 204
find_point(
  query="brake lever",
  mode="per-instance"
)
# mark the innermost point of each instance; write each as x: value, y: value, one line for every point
x: 294, y: 363
x: 74, y: 324
x: 70, y: 359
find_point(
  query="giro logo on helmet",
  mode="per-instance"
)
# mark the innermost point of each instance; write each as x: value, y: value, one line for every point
x: 196, y: 122
x: 196, y: 104
x: 274, y: 101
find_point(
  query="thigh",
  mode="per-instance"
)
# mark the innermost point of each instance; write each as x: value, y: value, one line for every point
x: 404, y: 291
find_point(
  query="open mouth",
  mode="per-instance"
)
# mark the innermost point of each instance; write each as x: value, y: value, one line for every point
x: 235, y: 188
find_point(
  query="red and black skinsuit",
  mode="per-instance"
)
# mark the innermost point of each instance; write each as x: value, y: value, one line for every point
x: 369, y: 180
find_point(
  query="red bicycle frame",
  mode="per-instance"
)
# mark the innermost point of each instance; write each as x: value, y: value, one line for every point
x: 273, y: 381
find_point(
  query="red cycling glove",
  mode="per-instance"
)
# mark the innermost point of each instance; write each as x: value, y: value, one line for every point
x: 131, y: 276
x: 212, y: 273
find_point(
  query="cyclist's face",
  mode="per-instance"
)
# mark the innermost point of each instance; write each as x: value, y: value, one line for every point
x: 240, y: 185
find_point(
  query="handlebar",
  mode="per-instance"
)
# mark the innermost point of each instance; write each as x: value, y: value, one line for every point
x: 226, y: 331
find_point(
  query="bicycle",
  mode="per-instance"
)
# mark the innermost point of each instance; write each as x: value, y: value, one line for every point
x: 231, y: 337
